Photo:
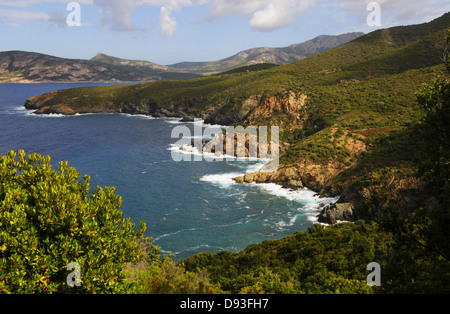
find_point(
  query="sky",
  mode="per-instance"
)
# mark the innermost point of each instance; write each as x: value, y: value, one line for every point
x: 172, y: 31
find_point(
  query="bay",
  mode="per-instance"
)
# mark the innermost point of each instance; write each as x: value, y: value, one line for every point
x: 189, y: 207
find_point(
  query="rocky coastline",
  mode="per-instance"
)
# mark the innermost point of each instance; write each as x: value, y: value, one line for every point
x: 294, y: 178
x: 314, y: 177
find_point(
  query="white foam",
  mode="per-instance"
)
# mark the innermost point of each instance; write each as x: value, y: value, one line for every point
x: 20, y: 108
x: 305, y: 196
x: 84, y: 114
x: 257, y: 166
x: 195, y: 151
x: 202, y: 122
x: 281, y: 225
x: 172, y: 120
x: 51, y: 115
x: 224, y: 180
x: 310, y: 203
x: 174, y: 233
x: 139, y: 116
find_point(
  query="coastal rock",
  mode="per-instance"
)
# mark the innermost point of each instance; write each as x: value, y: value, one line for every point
x: 58, y: 109
x: 287, y: 177
x: 331, y: 214
x: 289, y: 103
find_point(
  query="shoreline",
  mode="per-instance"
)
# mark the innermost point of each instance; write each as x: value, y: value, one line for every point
x: 281, y: 185
x: 293, y: 177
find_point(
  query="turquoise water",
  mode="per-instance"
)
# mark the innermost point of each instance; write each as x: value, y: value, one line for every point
x: 189, y: 207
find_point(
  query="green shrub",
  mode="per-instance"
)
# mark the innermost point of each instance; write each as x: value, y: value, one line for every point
x: 152, y: 275
x: 48, y: 219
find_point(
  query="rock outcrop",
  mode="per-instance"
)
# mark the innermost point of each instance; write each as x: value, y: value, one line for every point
x: 289, y: 103
x: 335, y: 213
x: 288, y: 177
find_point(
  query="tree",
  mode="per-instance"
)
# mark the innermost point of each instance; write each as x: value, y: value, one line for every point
x: 421, y: 262
x: 434, y: 100
x: 49, y: 219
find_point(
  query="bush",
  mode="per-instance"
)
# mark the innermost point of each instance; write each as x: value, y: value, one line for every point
x: 152, y: 275
x: 48, y: 219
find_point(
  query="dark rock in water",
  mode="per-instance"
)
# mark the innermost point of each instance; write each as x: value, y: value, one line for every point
x: 187, y: 119
x: 331, y: 214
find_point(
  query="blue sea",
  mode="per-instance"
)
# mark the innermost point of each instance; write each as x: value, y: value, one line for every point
x: 189, y: 207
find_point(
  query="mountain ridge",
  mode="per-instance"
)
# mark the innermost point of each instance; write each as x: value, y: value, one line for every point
x: 281, y: 56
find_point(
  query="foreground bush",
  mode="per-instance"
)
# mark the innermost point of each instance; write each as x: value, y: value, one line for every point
x: 50, y: 219
x: 152, y: 274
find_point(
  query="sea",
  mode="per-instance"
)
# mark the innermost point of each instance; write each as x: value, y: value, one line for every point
x: 189, y: 206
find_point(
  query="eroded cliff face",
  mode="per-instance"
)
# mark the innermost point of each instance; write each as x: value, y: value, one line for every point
x: 315, y: 175
x: 288, y: 103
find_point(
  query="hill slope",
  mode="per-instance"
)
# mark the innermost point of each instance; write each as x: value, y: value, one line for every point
x: 278, y: 56
x: 344, y: 114
x: 103, y: 58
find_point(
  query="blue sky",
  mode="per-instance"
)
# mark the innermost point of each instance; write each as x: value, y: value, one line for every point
x: 171, y: 31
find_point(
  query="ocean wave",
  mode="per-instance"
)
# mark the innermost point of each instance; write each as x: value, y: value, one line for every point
x: 139, y: 116
x: 282, y: 225
x: 224, y: 180
x: 20, y: 108
x: 174, y: 233
x: 196, y: 152
x: 50, y: 115
x: 309, y: 202
x: 172, y: 120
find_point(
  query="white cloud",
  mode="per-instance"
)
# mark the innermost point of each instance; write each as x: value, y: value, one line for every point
x: 167, y: 23
x: 22, y: 16
x: 28, y: 3
x: 117, y: 14
x: 398, y: 12
x: 262, y: 15
x: 16, y: 17
x: 278, y: 16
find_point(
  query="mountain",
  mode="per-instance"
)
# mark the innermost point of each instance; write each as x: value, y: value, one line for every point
x: 345, y: 114
x: 321, y: 44
x: 103, y: 58
x: 278, y: 56
x: 21, y: 66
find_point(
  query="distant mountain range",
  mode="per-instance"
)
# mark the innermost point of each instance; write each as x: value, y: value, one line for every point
x: 278, y: 56
x: 22, y: 66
